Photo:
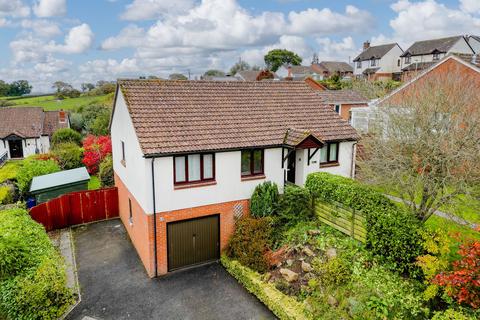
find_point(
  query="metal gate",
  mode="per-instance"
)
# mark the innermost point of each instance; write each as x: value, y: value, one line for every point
x: 193, y: 241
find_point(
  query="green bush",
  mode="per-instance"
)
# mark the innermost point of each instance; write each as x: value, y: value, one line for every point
x: 32, y: 273
x: 6, y: 194
x: 283, y: 306
x: 295, y: 205
x: 334, y: 272
x: 76, y: 121
x: 106, y: 172
x: 65, y: 135
x: 393, y: 233
x: 451, y: 314
x: 250, y: 241
x: 69, y: 155
x: 32, y: 168
x: 264, y: 199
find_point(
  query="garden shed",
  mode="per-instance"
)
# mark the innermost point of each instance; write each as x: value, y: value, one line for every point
x: 53, y: 185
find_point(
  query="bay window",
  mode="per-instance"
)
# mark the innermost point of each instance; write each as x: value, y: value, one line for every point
x: 252, y: 162
x: 194, y: 168
x: 329, y: 153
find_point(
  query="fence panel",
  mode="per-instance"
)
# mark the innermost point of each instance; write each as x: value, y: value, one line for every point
x: 346, y: 220
x: 77, y: 208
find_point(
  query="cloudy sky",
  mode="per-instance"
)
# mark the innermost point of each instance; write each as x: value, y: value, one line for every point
x: 87, y: 40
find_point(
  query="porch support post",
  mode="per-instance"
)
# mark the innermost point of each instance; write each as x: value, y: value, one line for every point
x: 310, y: 156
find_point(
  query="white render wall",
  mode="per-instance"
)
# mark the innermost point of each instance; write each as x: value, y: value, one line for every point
x: 388, y: 63
x: 134, y: 174
x: 30, y: 146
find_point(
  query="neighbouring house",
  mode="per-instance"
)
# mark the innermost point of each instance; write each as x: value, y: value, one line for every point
x: 219, y: 78
x: 187, y: 156
x: 474, y: 42
x: 50, y: 186
x: 27, y: 130
x: 423, y: 54
x: 299, y: 73
x: 254, y: 75
x: 330, y: 68
x: 343, y: 101
x: 465, y: 64
x: 378, y: 62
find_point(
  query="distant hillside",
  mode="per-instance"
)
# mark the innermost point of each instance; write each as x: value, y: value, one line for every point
x: 49, y: 102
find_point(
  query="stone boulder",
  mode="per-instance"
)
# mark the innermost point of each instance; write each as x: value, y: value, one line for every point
x: 289, y: 275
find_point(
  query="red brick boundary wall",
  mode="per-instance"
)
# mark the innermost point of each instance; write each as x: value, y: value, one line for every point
x: 140, y: 229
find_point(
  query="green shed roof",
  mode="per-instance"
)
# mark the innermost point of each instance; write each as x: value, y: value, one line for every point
x: 59, y: 179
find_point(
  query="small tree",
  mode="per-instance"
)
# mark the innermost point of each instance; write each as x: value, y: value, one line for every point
x: 264, y: 199
x: 177, y: 76
x: 424, y: 145
x: 68, y: 155
x: 275, y: 58
x: 95, y: 149
x: 87, y: 87
x: 19, y: 88
x: 65, y: 135
x: 106, y: 172
x: 214, y: 73
x: 239, y: 66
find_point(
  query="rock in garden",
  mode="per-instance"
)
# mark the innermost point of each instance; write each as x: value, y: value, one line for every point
x: 331, y: 253
x: 289, y: 275
x: 331, y: 300
x: 308, y: 252
x: 306, y: 267
x: 289, y: 262
x: 314, y: 232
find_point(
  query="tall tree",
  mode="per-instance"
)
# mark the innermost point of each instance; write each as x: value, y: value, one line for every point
x: 275, y: 58
x: 19, y: 88
x: 425, y: 142
x: 239, y: 66
x: 177, y: 76
x: 4, y: 88
x: 214, y: 73
x: 86, y: 87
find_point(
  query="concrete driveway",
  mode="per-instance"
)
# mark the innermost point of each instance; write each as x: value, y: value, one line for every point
x: 114, y: 284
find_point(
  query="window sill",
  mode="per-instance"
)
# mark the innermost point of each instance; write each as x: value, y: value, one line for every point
x: 258, y: 177
x: 194, y: 185
x: 328, y: 165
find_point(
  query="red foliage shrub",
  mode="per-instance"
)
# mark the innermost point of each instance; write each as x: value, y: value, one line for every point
x: 95, y: 149
x: 463, y: 282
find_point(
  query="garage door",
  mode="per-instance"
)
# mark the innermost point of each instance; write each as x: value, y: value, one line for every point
x: 192, y: 242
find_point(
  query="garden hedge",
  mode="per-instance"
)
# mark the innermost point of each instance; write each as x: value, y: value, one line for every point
x: 392, y: 232
x: 283, y: 306
x: 33, y: 282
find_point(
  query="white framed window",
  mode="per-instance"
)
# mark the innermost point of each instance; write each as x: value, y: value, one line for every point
x: 373, y: 62
x: 338, y: 108
x: 194, y: 168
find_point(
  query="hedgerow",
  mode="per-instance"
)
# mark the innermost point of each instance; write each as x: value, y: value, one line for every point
x: 393, y: 233
x: 32, y: 273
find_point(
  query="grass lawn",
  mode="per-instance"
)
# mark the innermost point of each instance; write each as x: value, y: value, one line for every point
x: 94, y: 183
x: 50, y: 103
x: 9, y: 170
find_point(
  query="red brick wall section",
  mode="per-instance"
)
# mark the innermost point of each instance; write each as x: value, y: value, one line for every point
x: 141, y: 230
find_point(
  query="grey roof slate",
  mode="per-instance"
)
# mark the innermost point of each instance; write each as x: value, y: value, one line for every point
x: 441, y: 45
x: 376, y: 52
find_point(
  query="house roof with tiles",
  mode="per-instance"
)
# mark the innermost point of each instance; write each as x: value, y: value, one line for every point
x: 441, y: 45
x: 29, y: 122
x: 375, y: 52
x: 172, y: 117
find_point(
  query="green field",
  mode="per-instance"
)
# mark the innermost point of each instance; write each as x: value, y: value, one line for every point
x: 51, y: 103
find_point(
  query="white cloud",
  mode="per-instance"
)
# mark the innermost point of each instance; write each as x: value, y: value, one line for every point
x: 52, y: 66
x: 50, y: 8
x: 325, y: 21
x: 43, y: 28
x: 13, y: 8
x: 79, y: 39
x: 129, y: 36
x: 430, y: 19
x: 151, y: 9
x: 3, y: 22
x: 344, y: 50
x: 471, y: 6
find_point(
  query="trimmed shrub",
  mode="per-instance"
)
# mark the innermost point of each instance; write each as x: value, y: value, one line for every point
x: 250, y: 242
x: 334, y: 272
x: 65, y: 135
x: 264, y: 200
x: 6, y: 194
x: 32, y: 168
x: 106, y: 172
x: 283, y: 306
x: 69, y: 155
x: 295, y: 205
x: 32, y: 273
x: 393, y: 233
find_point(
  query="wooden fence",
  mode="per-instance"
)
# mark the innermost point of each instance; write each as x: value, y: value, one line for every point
x: 77, y: 208
x: 346, y: 220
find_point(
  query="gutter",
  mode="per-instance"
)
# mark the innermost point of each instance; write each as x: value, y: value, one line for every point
x: 154, y: 220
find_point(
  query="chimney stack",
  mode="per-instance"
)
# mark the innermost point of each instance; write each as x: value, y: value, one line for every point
x: 366, y: 45
x: 62, y: 116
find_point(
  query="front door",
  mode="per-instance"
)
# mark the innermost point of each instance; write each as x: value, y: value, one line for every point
x: 16, y: 148
x: 291, y: 166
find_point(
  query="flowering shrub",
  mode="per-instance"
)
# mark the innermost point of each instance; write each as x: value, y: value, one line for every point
x: 95, y: 149
x: 463, y: 282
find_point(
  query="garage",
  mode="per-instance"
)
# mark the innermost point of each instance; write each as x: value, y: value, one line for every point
x: 192, y: 242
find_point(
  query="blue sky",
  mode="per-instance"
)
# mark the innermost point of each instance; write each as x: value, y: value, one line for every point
x: 88, y: 40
